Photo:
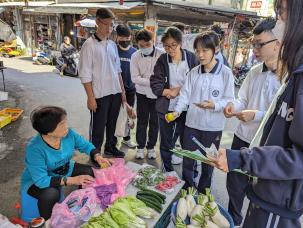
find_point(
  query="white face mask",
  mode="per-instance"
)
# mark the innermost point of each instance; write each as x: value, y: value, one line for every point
x: 279, y: 30
x: 147, y: 51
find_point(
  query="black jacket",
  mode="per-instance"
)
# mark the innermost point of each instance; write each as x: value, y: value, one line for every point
x: 278, y: 163
x: 160, y: 79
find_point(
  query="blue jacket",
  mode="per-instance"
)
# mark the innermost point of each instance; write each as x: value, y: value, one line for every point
x: 278, y: 163
x: 42, y: 162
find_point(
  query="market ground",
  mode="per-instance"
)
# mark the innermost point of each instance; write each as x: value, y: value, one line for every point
x: 32, y: 85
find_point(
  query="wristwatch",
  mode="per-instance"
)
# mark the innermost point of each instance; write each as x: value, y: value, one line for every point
x: 65, y: 181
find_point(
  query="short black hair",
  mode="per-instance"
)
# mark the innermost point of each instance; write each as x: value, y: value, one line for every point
x: 123, y: 30
x: 218, y: 30
x: 144, y: 34
x: 265, y: 25
x: 172, y: 32
x: 179, y: 25
x: 208, y: 39
x: 104, y: 13
x: 46, y: 118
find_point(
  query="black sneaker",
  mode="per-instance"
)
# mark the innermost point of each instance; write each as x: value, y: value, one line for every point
x: 114, y: 152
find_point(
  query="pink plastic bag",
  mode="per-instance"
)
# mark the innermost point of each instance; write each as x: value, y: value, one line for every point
x: 118, y: 173
x: 76, y: 209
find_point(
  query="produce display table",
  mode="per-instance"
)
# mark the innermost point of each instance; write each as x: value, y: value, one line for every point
x: 170, y: 197
x: 131, y: 190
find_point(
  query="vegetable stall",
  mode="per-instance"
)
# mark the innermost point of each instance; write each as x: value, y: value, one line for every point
x: 136, y: 196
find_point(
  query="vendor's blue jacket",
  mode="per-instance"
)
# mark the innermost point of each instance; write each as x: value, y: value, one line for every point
x: 43, y: 163
x: 278, y: 164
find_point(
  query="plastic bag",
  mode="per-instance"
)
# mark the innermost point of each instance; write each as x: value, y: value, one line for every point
x: 118, y: 174
x: 76, y: 209
x: 122, y: 123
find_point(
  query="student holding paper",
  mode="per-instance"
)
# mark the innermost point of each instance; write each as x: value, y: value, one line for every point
x: 207, y: 90
x: 254, y: 98
x: 275, y: 156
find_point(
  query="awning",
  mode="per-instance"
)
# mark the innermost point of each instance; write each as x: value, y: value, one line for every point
x: 112, y: 5
x: 79, y: 8
x: 209, y: 8
x: 30, y: 4
x: 51, y: 9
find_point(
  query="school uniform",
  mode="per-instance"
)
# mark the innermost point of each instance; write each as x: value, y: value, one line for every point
x: 204, y: 124
x: 141, y: 68
x: 169, y: 75
x: 256, y: 93
x: 129, y: 85
x: 100, y: 64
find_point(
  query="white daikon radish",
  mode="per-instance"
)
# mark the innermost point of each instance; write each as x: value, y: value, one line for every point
x: 180, y: 223
x: 201, y: 220
x: 214, y: 212
x: 192, y: 226
x: 210, y: 224
x: 190, y: 200
x: 198, y: 209
x: 182, y: 206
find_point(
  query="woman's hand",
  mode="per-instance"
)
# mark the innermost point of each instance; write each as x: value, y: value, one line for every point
x: 229, y: 110
x: 82, y: 180
x: 171, y: 93
x: 220, y: 162
x: 102, y: 162
x: 246, y: 115
x: 170, y: 117
x: 206, y: 105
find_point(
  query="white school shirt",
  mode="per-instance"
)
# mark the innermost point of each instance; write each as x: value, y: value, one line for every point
x: 256, y: 93
x: 141, y: 68
x: 100, y: 64
x: 177, y: 77
x: 218, y: 86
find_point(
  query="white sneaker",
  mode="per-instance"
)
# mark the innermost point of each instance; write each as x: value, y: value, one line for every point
x: 140, y: 154
x: 151, y: 154
x: 176, y: 160
x: 129, y: 144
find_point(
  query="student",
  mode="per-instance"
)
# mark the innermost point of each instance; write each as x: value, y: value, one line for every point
x: 187, y: 39
x: 100, y: 74
x: 207, y: 90
x: 187, y: 44
x: 170, y: 73
x: 275, y: 156
x: 141, y: 68
x: 254, y: 98
x: 125, y: 51
x: 48, y: 163
x: 219, y: 55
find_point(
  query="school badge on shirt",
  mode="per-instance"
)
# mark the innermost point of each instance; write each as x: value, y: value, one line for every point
x: 215, y: 93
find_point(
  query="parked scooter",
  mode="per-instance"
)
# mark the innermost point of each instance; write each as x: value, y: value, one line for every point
x: 69, y: 63
x: 240, y: 74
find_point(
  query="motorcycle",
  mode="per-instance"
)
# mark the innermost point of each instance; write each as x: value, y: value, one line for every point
x: 240, y: 74
x: 71, y: 61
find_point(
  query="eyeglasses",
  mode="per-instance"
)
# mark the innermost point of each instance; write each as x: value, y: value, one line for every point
x: 172, y: 47
x: 258, y: 45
